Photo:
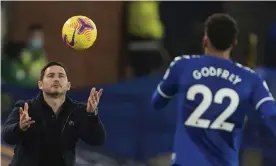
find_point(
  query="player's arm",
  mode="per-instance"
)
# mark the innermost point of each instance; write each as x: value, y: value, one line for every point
x: 168, y: 87
x: 265, y: 104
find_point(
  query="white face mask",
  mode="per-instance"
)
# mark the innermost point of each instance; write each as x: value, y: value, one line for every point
x: 36, y: 44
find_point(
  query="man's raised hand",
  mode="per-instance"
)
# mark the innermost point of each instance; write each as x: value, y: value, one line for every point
x: 93, y: 100
x: 25, y: 120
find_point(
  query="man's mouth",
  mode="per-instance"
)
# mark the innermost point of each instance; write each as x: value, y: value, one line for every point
x: 56, y: 85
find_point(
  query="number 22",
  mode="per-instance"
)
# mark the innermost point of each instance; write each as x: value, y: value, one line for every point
x: 220, y: 122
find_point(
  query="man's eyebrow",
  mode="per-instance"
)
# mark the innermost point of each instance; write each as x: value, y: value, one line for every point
x: 54, y: 73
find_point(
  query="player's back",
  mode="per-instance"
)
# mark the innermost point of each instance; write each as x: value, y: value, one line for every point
x: 213, y: 96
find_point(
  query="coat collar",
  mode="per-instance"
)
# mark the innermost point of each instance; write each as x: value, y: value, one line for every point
x: 41, y: 101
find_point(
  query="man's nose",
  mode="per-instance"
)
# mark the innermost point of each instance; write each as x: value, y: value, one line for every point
x: 56, y: 79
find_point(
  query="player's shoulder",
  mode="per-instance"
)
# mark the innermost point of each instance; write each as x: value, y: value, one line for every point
x: 183, y: 59
x: 255, y: 77
x: 245, y: 69
x: 190, y: 57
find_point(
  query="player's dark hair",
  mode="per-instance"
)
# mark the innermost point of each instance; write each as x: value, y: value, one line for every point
x: 42, y: 72
x: 35, y: 27
x: 221, y: 30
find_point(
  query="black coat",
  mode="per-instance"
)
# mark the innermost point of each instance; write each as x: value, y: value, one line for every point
x: 77, y: 123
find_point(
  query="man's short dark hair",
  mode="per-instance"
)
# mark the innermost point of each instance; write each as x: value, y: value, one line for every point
x: 221, y: 30
x: 35, y: 27
x: 42, y: 72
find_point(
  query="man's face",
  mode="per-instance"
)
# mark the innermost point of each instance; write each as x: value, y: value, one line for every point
x: 55, y: 81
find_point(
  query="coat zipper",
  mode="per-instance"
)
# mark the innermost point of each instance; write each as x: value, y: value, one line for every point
x: 66, y: 123
x: 67, y: 120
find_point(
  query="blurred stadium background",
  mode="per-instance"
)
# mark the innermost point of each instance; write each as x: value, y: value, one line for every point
x: 136, y: 41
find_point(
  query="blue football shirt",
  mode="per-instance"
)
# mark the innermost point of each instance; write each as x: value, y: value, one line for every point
x: 214, y: 96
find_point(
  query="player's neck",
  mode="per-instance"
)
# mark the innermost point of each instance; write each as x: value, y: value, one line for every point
x: 54, y: 103
x: 220, y: 54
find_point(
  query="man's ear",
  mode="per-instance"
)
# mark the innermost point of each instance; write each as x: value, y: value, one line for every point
x: 69, y: 86
x: 235, y: 44
x: 40, y: 85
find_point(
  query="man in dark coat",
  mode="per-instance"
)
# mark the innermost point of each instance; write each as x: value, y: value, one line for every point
x: 45, y: 129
